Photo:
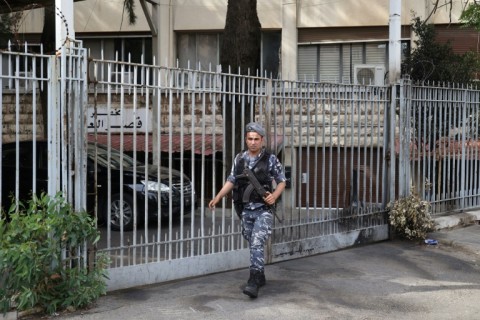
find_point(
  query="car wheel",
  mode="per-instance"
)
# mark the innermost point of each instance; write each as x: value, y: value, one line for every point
x: 115, y: 212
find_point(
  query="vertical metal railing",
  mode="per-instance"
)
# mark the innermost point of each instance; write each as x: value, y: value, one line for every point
x: 188, y: 108
x: 442, y: 149
x: 43, y: 98
x: 21, y: 78
x: 333, y: 138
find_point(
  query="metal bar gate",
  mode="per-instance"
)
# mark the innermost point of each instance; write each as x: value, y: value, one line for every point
x: 166, y: 130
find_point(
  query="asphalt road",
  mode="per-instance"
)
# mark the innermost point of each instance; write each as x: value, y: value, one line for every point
x: 387, y: 280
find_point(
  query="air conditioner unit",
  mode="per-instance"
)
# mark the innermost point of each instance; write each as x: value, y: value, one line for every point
x: 369, y: 74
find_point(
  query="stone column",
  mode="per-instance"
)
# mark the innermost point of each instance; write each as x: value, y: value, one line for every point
x: 289, y: 40
x: 163, y: 43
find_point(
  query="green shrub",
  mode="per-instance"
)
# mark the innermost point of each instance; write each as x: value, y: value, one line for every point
x: 33, y: 272
x: 410, y: 217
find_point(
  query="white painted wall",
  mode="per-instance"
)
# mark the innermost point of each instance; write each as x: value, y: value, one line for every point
x: 32, y: 22
x: 106, y: 15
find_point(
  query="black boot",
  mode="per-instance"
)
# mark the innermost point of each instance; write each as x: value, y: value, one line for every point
x: 251, y: 289
x: 260, y: 279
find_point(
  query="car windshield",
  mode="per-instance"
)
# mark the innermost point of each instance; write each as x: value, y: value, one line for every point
x: 115, y: 157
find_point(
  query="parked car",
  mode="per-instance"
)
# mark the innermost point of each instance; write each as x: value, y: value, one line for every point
x: 158, y: 183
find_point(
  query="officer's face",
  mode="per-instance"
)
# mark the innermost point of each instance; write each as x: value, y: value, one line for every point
x: 254, y: 142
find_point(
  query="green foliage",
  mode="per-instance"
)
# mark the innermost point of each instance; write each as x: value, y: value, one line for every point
x: 8, y: 26
x: 470, y: 17
x: 433, y: 61
x: 33, y: 272
x: 410, y: 217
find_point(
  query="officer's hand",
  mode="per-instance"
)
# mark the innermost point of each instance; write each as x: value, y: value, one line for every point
x: 269, y: 199
x: 212, y: 204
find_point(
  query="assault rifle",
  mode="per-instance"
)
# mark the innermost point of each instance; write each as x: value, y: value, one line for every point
x: 247, y: 172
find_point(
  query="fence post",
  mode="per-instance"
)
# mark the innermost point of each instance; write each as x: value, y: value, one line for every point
x: 463, y: 161
x: 53, y: 130
x: 388, y: 190
x: 404, y: 137
x: 79, y: 102
x: 268, y: 110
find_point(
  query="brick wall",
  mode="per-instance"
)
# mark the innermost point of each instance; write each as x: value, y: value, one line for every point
x: 26, y: 123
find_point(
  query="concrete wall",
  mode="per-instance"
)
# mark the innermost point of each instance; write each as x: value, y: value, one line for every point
x: 314, y: 13
x: 343, y: 126
x: 106, y: 16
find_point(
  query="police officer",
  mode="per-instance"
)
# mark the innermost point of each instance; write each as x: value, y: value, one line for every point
x: 257, y: 219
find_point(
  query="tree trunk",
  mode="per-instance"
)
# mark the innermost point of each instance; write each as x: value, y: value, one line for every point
x: 240, y: 52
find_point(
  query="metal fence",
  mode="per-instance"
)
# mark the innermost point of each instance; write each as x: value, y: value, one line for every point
x: 44, y: 99
x: 146, y: 147
x: 42, y: 145
x: 439, y: 144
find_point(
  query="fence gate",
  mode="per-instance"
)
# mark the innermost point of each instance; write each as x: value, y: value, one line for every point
x: 157, y: 142
x: 335, y: 143
x: 168, y: 135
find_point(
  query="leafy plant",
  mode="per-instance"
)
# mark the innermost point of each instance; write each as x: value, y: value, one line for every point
x: 435, y: 61
x: 410, y: 217
x: 41, y: 260
x: 470, y: 17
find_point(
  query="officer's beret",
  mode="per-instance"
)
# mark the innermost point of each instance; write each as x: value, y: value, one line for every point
x: 255, y: 127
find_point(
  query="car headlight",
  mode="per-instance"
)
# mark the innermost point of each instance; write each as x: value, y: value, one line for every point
x: 155, y: 186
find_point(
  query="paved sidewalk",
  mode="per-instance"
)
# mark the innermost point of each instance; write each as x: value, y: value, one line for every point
x: 387, y: 280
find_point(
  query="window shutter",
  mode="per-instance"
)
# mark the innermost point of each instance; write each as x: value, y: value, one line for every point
x: 186, y: 50
x: 307, y: 63
x: 376, y: 53
x: 330, y: 62
x: 352, y: 55
x: 207, y: 48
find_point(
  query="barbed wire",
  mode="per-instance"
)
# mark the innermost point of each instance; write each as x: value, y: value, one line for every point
x: 60, y: 14
x: 20, y: 16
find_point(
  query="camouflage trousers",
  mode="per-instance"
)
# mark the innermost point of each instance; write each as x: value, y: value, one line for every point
x: 256, y: 227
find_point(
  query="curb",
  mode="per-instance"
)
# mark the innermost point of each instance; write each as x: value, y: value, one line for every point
x: 460, y: 219
x: 10, y: 315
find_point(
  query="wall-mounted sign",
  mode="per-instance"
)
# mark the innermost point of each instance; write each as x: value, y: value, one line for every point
x: 118, y: 120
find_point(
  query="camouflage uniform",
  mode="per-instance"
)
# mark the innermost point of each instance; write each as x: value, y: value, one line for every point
x: 257, y: 220
x: 256, y: 227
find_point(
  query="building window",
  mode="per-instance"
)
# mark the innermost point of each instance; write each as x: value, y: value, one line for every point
x: 198, y: 51
x: 336, y: 62
x: 134, y: 50
x: 203, y: 49
x: 271, y: 43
